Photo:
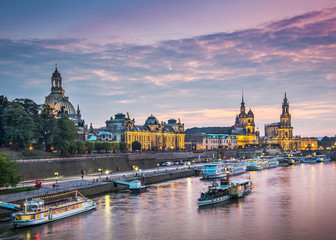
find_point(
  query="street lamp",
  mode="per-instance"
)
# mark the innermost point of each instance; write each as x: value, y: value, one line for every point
x: 158, y: 165
x: 100, y: 171
x: 56, y: 175
x: 106, y: 172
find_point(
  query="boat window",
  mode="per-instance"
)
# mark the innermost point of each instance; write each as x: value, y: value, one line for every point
x: 25, y: 217
x: 54, y: 212
x: 73, y: 207
x: 18, y: 218
x: 69, y: 208
x: 45, y: 214
x: 57, y: 211
x: 62, y: 209
x: 38, y: 216
x: 80, y: 205
x: 32, y: 217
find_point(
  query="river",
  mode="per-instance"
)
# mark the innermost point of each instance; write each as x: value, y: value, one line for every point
x: 296, y: 202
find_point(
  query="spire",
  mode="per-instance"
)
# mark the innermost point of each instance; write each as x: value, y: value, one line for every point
x: 55, y: 67
x: 242, y: 98
x: 285, y: 101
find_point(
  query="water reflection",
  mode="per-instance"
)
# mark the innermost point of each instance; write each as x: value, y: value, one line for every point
x: 295, y: 202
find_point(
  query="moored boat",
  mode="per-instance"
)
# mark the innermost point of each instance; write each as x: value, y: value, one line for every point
x: 215, y: 194
x: 236, y: 168
x: 322, y: 158
x: 254, y: 165
x: 309, y: 159
x: 37, y: 211
x: 214, y: 170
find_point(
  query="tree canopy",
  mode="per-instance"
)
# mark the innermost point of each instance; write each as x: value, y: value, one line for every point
x: 136, y: 146
x: 18, y: 126
x: 63, y: 134
x: 9, y: 170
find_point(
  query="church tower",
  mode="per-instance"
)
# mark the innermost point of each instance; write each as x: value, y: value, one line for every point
x: 242, y: 115
x: 285, y: 130
x: 56, y: 82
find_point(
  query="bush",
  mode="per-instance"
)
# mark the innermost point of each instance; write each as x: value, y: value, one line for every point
x: 32, y: 153
x: 89, y: 146
x: 136, y: 146
x: 73, y: 148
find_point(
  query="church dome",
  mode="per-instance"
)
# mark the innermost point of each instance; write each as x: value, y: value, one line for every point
x: 66, y: 106
x: 151, y: 120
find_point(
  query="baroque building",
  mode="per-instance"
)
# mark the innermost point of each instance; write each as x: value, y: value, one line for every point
x: 244, y: 127
x: 154, y: 135
x: 281, y: 133
x: 61, y: 104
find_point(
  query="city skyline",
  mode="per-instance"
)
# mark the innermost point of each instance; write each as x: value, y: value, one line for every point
x: 177, y: 59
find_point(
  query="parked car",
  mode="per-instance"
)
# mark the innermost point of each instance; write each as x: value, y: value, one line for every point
x: 167, y: 164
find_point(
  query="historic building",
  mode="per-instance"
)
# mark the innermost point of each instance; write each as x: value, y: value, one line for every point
x: 215, y: 141
x: 281, y: 133
x: 244, y: 127
x: 154, y: 135
x: 61, y: 104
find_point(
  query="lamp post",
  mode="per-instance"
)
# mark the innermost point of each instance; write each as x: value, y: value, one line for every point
x: 106, y: 172
x: 56, y: 175
x: 100, y: 171
x: 158, y: 165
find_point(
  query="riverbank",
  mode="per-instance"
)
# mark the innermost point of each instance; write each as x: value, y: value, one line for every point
x: 91, y: 188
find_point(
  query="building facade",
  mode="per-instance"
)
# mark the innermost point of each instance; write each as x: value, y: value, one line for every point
x: 244, y: 127
x: 216, y: 141
x: 154, y: 135
x: 281, y: 133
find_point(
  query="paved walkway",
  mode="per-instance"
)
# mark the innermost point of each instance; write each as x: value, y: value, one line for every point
x: 73, y: 183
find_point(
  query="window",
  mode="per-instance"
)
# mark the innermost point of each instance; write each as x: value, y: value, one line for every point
x: 45, y: 214
x: 32, y: 217
x: 25, y: 217
x: 53, y: 212
x: 80, y: 205
x: 38, y: 216
x: 57, y: 211
x: 18, y: 218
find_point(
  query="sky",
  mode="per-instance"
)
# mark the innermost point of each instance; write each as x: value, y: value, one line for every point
x: 176, y: 59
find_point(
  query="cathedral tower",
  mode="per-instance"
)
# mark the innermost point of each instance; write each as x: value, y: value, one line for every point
x: 285, y: 130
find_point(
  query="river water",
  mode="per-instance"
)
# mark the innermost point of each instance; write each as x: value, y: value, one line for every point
x: 297, y: 202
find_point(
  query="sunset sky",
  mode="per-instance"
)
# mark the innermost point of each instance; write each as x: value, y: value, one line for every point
x: 176, y: 59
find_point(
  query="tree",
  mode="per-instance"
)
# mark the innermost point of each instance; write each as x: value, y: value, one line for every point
x: 115, y: 146
x: 99, y: 146
x: 80, y: 146
x: 107, y: 146
x: 122, y: 146
x: 4, y: 103
x: 89, y: 146
x: 326, y: 142
x: 45, y: 128
x: 136, y: 146
x: 63, y: 133
x: 9, y: 170
x: 18, y: 126
x: 72, y: 148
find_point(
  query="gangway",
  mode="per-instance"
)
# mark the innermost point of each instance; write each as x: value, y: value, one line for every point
x: 10, y: 206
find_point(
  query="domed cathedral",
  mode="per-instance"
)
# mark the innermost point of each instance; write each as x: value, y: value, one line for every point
x: 61, y: 105
x: 281, y: 133
x: 244, y: 127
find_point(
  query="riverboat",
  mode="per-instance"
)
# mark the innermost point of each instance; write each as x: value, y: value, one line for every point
x: 322, y: 158
x: 226, y: 190
x: 236, y: 168
x: 271, y: 163
x: 309, y: 159
x: 254, y: 165
x: 214, y: 170
x: 37, y: 211
x: 215, y: 194
x: 238, y: 188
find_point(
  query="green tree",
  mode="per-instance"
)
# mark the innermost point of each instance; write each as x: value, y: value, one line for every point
x: 18, y: 126
x: 122, y: 146
x: 326, y: 142
x: 4, y: 103
x: 47, y: 123
x: 72, y: 147
x: 136, y: 146
x: 9, y: 170
x: 89, y: 146
x: 99, y: 146
x: 107, y: 146
x: 80, y: 146
x: 64, y: 132
x: 115, y: 146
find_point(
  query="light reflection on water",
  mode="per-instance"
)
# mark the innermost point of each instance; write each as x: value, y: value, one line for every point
x: 296, y: 202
